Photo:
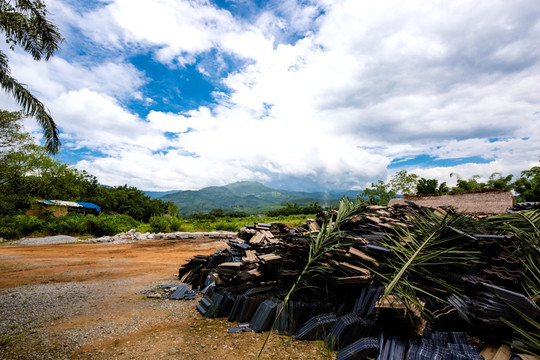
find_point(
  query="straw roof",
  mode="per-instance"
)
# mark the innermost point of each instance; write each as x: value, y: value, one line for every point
x: 478, y: 203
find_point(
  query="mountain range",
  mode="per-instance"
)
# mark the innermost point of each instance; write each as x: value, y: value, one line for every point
x: 245, y: 196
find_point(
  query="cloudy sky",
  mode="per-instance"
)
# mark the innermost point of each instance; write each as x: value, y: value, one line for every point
x: 296, y: 94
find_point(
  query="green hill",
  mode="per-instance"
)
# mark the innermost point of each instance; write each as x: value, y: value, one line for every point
x: 244, y: 196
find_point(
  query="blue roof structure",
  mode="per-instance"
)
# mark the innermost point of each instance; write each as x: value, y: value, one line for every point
x: 87, y: 205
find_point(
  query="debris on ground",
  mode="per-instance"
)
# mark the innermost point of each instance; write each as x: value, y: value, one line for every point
x: 133, y: 236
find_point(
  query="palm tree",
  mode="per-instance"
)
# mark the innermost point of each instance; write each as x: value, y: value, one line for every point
x: 24, y: 24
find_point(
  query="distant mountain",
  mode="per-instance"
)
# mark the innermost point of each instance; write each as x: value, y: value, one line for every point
x: 158, y: 194
x: 247, y: 196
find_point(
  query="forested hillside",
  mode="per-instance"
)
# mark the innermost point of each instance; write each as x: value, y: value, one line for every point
x: 245, y: 196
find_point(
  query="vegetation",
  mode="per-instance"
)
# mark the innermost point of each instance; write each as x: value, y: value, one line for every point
x: 418, y: 251
x: 25, y: 24
x: 403, y: 183
x: 226, y: 223
x: 245, y: 197
x: 379, y: 193
x: 527, y: 186
x: 526, y: 229
x: 17, y: 226
x: 294, y: 209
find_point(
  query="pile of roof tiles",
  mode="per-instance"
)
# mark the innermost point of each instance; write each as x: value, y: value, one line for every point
x: 523, y: 206
x: 247, y: 283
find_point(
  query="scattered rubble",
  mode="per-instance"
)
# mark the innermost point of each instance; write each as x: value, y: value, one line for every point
x: 454, y: 308
x: 133, y: 236
x: 171, y: 292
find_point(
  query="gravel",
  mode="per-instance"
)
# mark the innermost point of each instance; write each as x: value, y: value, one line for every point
x: 57, y: 239
x: 29, y: 314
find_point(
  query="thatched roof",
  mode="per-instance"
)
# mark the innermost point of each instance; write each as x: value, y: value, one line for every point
x: 478, y: 203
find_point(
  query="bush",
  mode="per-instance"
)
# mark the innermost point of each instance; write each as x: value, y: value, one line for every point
x: 159, y: 224
x: 109, y: 224
x: 226, y: 225
x: 176, y: 224
x: 18, y: 226
x: 69, y: 225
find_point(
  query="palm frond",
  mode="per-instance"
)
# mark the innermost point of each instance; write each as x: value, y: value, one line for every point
x: 26, y: 25
x: 428, y: 245
x: 527, y: 221
x: 33, y: 107
x: 529, y: 337
x: 525, y: 226
x: 324, y: 241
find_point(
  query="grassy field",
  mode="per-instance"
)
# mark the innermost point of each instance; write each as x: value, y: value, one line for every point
x: 221, y: 223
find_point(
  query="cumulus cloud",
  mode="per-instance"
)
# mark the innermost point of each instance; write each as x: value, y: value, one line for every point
x: 325, y: 95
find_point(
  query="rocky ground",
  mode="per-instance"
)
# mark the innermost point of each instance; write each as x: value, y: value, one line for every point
x: 84, y: 301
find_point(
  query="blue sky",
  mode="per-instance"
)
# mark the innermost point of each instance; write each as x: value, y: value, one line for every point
x: 302, y: 95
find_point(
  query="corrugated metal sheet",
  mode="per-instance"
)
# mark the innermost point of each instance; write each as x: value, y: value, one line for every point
x: 88, y: 205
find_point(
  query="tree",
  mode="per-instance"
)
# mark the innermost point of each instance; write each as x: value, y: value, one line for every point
x: 470, y: 184
x: 25, y: 24
x: 403, y: 183
x: 20, y: 158
x: 443, y: 188
x: 527, y: 186
x: 497, y: 181
x: 28, y: 173
x: 379, y: 193
x: 131, y: 201
x: 427, y: 186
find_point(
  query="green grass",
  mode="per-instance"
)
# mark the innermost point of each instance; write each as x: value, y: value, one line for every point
x: 233, y: 224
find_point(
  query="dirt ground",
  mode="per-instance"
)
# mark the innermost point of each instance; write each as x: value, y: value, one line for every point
x: 84, y: 301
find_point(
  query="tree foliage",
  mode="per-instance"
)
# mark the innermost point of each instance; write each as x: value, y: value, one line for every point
x: 379, y: 193
x: 131, y: 201
x: 294, y: 209
x: 25, y: 24
x: 527, y: 186
x: 404, y: 183
x: 427, y: 186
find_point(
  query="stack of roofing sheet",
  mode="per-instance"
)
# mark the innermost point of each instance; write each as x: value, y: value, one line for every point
x: 265, y: 315
x: 245, y: 305
x: 350, y: 280
x: 343, y: 331
x: 294, y: 314
x: 316, y: 328
x: 360, y: 349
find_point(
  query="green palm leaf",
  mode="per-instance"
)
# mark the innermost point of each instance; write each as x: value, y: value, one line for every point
x: 326, y: 240
x: 417, y: 251
x: 25, y: 24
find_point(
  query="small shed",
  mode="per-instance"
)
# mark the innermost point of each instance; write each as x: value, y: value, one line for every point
x: 59, y: 208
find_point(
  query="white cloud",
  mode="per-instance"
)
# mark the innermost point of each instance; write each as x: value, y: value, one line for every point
x: 359, y: 85
x: 50, y: 79
x: 98, y: 122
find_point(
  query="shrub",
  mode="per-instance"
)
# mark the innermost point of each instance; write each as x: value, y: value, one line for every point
x: 176, y: 224
x: 17, y: 226
x: 224, y: 225
x: 159, y: 224
x: 109, y: 224
x: 70, y: 224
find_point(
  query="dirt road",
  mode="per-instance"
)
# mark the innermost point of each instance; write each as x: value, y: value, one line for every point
x: 84, y: 301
